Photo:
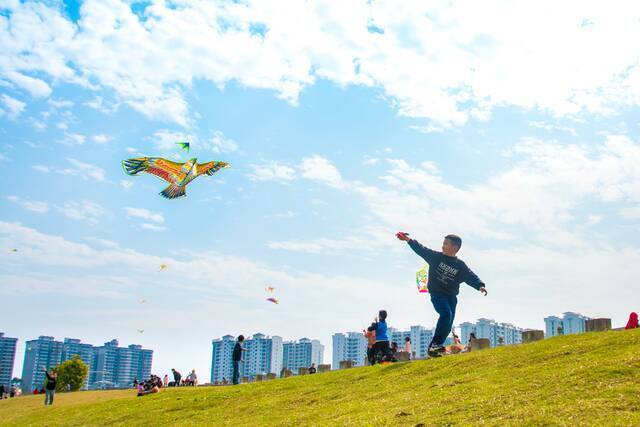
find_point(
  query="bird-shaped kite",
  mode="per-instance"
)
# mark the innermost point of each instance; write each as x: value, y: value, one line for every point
x: 178, y: 175
x: 140, y: 331
x: 184, y: 145
x: 273, y: 300
x: 162, y: 267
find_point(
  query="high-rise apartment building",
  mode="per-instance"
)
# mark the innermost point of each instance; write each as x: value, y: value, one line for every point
x: 350, y: 346
x: 263, y: 355
x: 7, y: 358
x: 301, y: 354
x: 222, y: 352
x: 571, y: 323
x: 42, y: 353
x: 497, y: 333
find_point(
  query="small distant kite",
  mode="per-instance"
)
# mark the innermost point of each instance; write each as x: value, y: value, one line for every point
x: 269, y: 289
x: 162, y: 267
x: 141, y: 331
x: 178, y: 175
x: 143, y: 301
x: 184, y: 145
x: 422, y: 279
x: 273, y: 300
x: 13, y: 250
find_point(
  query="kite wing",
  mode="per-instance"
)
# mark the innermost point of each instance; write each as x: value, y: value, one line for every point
x: 273, y: 300
x: 422, y: 279
x: 162, y: 168
x: 211, y: 167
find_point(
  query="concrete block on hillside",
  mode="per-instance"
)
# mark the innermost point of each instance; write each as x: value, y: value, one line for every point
x: 259, y: 377
x: 480, y: 344
x: 323, y: 368
x: 532, y: 335
x: 403, y: 356
x: 346, y: 364
x: 303, y: 371
x: 271, y: 376
x: 598, y: 325
x: 245, y: 380
x: 286, y: 373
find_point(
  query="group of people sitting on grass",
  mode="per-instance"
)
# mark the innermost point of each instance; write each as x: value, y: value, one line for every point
x: 380, y: 351
x: 151, y: 385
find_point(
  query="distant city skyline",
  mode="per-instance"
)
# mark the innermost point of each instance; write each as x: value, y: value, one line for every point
x: 109, y: 366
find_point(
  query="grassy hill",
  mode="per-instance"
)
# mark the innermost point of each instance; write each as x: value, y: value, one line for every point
x: 587, y: 379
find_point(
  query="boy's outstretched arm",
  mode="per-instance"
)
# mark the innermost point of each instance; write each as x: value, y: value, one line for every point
x: 424, y: 252
x: 474, y: 281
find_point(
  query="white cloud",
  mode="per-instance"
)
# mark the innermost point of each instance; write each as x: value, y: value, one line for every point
x: 101, y: 138
x: 156, y: 217
x: 319, y: 169
x: 152, y: 227
x: 272, y: 172
x: 13, y: 107
x: 447, y: 62
x: 126, y: 184
x: 62, y: 103
x: 83, y: 170
x: 34, y: 86
x: 33, y: 206
x: 83, y: 211
x: 370, y: 161
x: 103, y: 242
x: 99, y: 104
x: 72, y: 139
x: 222, y: 144
x: 42, y: 168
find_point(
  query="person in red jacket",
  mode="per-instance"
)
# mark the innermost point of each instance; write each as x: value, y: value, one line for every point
x: 633, y: 321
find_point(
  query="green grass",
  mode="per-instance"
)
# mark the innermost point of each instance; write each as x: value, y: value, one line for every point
x: 587, y: 379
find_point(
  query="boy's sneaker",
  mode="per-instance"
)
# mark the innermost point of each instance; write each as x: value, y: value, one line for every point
x: 436, y: 351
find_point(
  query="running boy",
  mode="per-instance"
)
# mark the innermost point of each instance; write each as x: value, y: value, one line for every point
x: 446, y: 272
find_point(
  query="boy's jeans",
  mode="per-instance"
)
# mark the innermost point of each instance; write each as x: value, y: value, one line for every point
x: 445, y: 305
x: 48, y: 397
x: 236, y: 372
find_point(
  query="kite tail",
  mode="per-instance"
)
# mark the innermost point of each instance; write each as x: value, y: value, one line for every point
x: 174, y: 191
x: 134, y: 166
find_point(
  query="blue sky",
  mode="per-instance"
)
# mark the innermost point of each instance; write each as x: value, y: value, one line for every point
x: 343, y: 126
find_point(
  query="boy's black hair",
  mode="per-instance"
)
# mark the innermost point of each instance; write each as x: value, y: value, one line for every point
x: 456, y: 240
x: 382, y: 314
x: 240, y: 338
x: 407, y: 339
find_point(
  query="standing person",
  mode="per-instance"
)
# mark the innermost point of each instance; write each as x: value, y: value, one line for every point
x: 193, y: 378
x: 177, y: 376
x: 633, y: 321
x: 381, y: 348
x: 407, y: 346
x: 165, y: 381
x: 446, y: 272
x: 371, y: 342
x: 237, y: 358
x: 50, y: 388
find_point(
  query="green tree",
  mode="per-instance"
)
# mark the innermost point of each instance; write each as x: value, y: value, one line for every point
x: 72, y: 373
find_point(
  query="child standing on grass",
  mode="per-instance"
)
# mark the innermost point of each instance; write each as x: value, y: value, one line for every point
x: 446, y: 272
x: 381, y: 348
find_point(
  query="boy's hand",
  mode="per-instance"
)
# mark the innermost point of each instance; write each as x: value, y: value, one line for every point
x: 483, y: 291
x: 401, y: 235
